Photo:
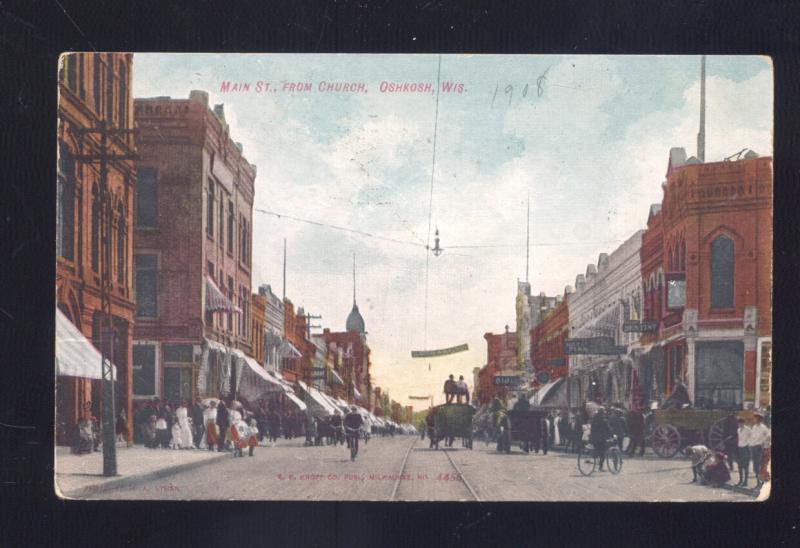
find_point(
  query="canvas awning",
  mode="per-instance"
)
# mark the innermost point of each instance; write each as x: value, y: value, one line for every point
x: 255, y: 382
x: 357, y: 393
x: 216, y: 299
x: 318, y: 398
x: 336, y: 378
x: 297, y: 401
x: 76, y: 356
x: 547, y: 395
x: 288, y: 350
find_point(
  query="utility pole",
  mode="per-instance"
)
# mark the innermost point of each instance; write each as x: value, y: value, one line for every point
x: 284, y: 269
x: 107, y: 342
x: 701, y: 135
x: 528, y: 238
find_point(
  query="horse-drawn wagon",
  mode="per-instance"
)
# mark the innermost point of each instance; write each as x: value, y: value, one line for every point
x: 676, y: 428
x: 452, y: 421
x: 521, y: 426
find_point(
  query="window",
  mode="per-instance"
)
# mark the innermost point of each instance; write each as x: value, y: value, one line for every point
x: 177, y: 353
x: 221, y: 220
x: 65, y: 221
x: 244, y: 243
x: 122, y: 99
x: 146, y: 285
x: 231, y: 297
x: 144, y: 370
x: 81, y: 76
x: 177, y: 384
x: 722, y: 256
x: 231, y: 221
x: 97, y: 84
x: 95, y: 239
x: 210, y: 210
x: 146, y: 197
x: 208, y: 313
x: 676, y: 290
x: 122, y: 248
x: 683, y: 256
x: 110, y: 87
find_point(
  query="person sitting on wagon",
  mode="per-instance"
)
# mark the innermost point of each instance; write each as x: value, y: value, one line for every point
x: 449, y: 389
x: 522, y: 403
x: 679, y: 397
x: 463, y: 389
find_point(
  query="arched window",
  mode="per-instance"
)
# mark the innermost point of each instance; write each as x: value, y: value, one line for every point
x: 65, y: 220
x: 95, y: 239
x: 210, y: 210
x: 122, y: 99
x: 722, y: 271
x: 683, y: 256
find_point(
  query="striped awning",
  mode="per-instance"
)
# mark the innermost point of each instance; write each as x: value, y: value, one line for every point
x: 336, y: 378
x: 76, y: 356
x: 216, y: 299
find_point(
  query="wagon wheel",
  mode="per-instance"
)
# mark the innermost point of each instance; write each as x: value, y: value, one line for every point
x: 666, y: 440
x: 716, y: 436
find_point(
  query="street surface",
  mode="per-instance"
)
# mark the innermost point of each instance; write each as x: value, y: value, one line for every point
x: 290, y: 471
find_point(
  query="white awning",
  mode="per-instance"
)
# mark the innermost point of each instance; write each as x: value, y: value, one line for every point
x: 546, y: 393
x: 255, y: 382
x: 357, y: 393
x: 318, y: 398
x: 336, y: 378
x: 76, y: 356
x: 343, y: 404
x: 216, y: 299
x: 214, y: 345
x: 288, y: 350
x: 297, y: 401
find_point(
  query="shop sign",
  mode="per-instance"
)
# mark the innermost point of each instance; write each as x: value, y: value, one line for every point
x: 643, y: 326
x: 506, y: 380
x: 557, y: 362
x: 593, y: 346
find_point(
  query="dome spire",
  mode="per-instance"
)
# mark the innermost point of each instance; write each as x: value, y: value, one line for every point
x: 355, y: 322
x: 354, y: 278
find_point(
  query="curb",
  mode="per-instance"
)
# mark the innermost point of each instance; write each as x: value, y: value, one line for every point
x: 86, y: 491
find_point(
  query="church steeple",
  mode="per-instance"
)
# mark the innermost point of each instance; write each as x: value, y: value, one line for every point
x: 354, y: 320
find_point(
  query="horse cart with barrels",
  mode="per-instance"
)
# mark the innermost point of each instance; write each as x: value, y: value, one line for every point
x: 674, y: 429
x: 522, y: 427
x: 451, y: 421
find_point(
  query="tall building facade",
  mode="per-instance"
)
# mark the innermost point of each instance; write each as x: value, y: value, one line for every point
x: 95, y: 207
x: 707, y: 276
x: 193, y: 251
x: 501, y: 360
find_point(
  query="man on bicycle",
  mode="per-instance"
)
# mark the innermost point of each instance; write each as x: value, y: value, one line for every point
x: 352, y: 425
x: 599, y: 435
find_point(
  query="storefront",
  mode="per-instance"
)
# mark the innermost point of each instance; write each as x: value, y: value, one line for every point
x: 719, y: 374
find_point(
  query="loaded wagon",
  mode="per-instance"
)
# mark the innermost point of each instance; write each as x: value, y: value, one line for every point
x: 452, y: 421
x: 674, y: 429
x: 521, y: 426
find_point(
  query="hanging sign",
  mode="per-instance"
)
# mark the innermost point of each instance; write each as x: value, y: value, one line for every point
x: 506, y: 380
x: 643, y: 326
x: 419, y: 397
x: 439, y: 352
x: 593, y: 346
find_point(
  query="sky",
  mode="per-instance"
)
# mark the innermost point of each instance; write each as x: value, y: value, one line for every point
x: 587, y: 138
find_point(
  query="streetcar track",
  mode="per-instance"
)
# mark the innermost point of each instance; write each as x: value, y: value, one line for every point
x: 459, y: 473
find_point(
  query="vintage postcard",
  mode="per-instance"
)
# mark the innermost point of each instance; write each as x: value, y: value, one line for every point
x: 414, y: 277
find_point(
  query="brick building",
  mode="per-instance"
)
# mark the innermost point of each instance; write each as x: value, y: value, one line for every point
x: 707, y: 275
x: 547, y: 344
x: 258, y: 308
x: 501, y: 359
x: 193, y: 251
x: 94, y: 219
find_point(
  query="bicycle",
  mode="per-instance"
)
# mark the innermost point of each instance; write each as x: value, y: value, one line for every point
x: 352, y: 441
x: 588, y: 458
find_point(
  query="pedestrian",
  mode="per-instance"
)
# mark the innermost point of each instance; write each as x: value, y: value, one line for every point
x: 184, y: 426
x: 84, y: 438
x: 635, y: 423
x: 730, y: 439
x: 274, y: 420
x: 198, y: 423
x: 162, y: 432
x: 618, y: 426
x: 175, y: 440
x: 699, y: 454
x: 211, y: 434
x: 743, y: 451
x: 261, y: 421
x: 121, y: 427
x: 222, y: 424
x: 759, y: 439
x: 149, y: 434
x: 252, y: 440
x: 599, y: 435
x: 544, y: 431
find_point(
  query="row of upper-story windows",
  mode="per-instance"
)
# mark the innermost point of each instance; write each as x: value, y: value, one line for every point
x: 110, y: 79
x: 220, y: 213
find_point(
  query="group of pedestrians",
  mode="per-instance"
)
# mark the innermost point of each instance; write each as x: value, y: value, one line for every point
x: 157, y: 424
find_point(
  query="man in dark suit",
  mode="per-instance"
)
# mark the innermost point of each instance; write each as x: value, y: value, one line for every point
x: 222, y: 424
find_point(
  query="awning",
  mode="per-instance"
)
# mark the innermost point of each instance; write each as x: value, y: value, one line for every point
x: 76, y: 356
x: 255, y: 382
x: 297, y: 401
x: 214, y: 345
x: 288, y: 350
x: 318, y: 399
x: 336, y: 378
x: 357, y: 393
x: 343, y: 404
x: 550, y: 395
x: 216, y: 299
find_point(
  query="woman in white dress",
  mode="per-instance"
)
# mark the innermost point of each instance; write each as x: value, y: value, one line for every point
x: 182, y: 414
x: 210, y: 433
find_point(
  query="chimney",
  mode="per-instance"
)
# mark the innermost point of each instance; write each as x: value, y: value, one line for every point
x: 701, y: 135
x: 199, y: 96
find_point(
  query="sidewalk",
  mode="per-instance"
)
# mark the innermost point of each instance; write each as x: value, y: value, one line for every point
x: 80, y: 476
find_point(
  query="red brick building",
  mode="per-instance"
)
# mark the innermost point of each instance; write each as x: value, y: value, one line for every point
x: 258, y: 309
x: 707, y: 277
x: 501, y: 359
x: 94, y: 92
x: 350, y: 355
x: 547, y: 345
x: 193, y: 251
x: 297, y: 368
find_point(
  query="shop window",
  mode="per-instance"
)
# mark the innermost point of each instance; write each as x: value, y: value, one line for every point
x: 146, y: 197
x: 65, y: 221
x: 719, y: 373
x: 722, y: 272
x: 144, y: 370
x: 231, y: 221
x: 146, y: 285
x: 177, y: 384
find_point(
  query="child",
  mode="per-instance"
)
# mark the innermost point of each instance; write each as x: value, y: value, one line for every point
x: 162, y: 434
x: 252, y: 441
x: 175, y: 442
